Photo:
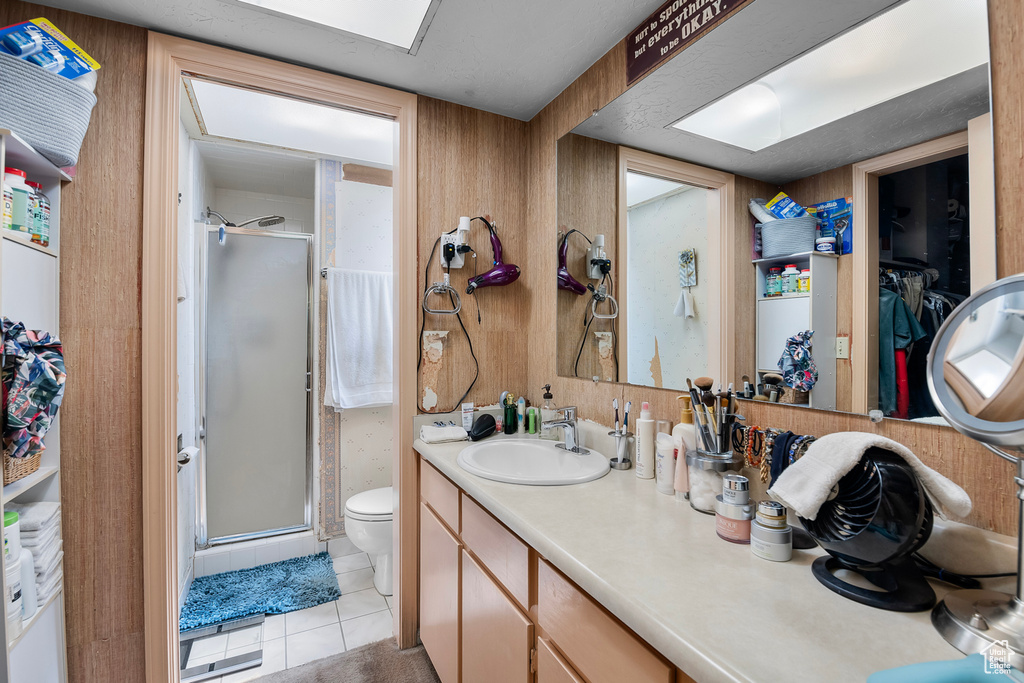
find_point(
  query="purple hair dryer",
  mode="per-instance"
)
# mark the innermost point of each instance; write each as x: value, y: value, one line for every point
x: 565, y: 279
x: 501, y: 274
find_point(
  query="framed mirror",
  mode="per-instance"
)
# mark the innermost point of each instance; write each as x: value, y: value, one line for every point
x: 870, y: 160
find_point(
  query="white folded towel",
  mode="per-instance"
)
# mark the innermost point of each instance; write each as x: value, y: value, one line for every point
x: 53, y: 570
x: 44, y: 559
x: 359, y: 339
x: 433, y: 434
x: 31, y: 539
x: 33, y: 516
x: 806, y: 484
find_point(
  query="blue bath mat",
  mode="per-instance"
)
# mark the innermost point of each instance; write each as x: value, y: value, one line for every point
x: 275, y: 588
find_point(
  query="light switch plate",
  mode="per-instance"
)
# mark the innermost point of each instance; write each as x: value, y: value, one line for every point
x: 842, y: 347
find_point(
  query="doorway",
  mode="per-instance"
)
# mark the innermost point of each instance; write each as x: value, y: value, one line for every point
x: 169, y: 60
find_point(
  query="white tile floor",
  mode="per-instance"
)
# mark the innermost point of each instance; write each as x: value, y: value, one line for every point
x: 360, y: 616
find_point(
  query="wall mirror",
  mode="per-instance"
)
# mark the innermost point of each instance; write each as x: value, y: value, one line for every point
x: 872, y: 118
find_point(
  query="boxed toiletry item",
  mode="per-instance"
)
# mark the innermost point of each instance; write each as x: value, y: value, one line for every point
x: 781, y: 206
x: 41, y: 43
x: 835, y: 219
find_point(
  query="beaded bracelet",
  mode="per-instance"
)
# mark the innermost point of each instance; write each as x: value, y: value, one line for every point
x: 753, y: 434
x: 799, y: 447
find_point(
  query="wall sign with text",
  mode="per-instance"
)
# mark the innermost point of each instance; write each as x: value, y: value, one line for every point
x: 676, y: 24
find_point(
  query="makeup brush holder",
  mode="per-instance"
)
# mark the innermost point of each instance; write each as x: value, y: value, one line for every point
x: 706, y: 470
x: 621, y: 460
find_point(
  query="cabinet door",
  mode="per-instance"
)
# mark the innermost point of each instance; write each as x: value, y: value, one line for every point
x: 777, y: 321
x: 551, y: 668
x: 496, y: 636
x: 439, y: 595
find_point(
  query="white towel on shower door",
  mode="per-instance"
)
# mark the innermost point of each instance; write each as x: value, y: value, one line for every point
x: 359, y: 338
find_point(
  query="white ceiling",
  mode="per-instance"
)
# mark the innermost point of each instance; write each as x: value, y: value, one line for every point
x: 507, y: 57
x: 233, y: 167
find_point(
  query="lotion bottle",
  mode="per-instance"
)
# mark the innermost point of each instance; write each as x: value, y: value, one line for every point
x: 645, y: 443
x: 684, y: 436
x: 547, y: 413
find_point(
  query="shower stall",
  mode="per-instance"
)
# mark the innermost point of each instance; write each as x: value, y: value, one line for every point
x: 255, y: 384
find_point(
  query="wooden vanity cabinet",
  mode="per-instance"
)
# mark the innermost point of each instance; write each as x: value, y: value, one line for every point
x: 492, y: 611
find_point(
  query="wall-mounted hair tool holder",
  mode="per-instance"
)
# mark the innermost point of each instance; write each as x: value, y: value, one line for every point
x: 600, y: 295
x: 444, y: 290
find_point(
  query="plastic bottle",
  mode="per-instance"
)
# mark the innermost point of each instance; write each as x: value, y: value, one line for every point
x: 21, y: 218
x: 547, y: 414
x: 789, y: 276
x: 645, y: 443
x: 7, y: 208
x: 29, y: 602
x: 774, y: 282
x: 803, y: 283
x: 665, y: 464
x: 684, y: 437
x: 41, y: 215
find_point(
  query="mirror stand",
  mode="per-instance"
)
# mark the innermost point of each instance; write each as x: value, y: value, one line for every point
x: 974, y: 621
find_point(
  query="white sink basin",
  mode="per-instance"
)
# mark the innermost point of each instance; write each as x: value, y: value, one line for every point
x: 531, y: 462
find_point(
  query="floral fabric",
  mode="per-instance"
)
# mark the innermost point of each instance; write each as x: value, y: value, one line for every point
x: 33, y: 385
x: 796, y: 363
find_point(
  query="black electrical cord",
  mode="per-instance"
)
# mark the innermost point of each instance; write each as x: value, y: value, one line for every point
x: 566, y: 235
x: 586, y: 328
x: 929, y: 568
x: 458, y: 316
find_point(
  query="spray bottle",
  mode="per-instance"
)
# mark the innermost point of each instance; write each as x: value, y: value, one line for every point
x: 684, y: 435
x: 645, y: 443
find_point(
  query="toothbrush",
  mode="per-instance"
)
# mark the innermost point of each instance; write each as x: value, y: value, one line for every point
x: 615, y: 405
x: 625, y: 418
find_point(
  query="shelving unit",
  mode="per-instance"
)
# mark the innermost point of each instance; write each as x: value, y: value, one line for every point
x: 29, y: 293
x: 780, y: 317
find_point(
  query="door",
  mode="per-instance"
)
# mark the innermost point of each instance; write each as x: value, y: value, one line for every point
x: 551, y: 668
x: 496, y: 636
x: 439, y: 595
x: 256, y: 360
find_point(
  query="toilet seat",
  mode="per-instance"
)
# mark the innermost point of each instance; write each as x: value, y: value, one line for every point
x: 376, y: 505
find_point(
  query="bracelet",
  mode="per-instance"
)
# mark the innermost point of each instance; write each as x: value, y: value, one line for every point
x: 739, y: 437
x: 753, y: 434
x: 766, y: 457
x: 799, y: 447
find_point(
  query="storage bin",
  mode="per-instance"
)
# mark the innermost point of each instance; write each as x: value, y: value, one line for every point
x: 48, y: 111
x: 19, y: 468
x: 793, y: 396
x: 788, y: 236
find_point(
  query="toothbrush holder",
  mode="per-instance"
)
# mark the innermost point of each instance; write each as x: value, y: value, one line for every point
x: 621, y: 460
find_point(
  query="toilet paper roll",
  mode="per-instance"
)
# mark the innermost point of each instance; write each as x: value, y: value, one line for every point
x: 185, y: 455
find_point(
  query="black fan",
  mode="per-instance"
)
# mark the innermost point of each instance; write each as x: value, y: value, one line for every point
x: 878, y: 516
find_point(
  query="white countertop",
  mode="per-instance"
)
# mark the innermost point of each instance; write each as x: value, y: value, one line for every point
x: 711, y: 607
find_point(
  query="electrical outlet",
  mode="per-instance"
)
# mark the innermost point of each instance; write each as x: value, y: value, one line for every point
x: 842, y: 348
x: 460, y: 259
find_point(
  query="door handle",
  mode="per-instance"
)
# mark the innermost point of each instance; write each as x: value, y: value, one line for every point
x: 309, y: 381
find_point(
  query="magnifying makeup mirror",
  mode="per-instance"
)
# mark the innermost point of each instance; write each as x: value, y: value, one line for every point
x: 976, y: 378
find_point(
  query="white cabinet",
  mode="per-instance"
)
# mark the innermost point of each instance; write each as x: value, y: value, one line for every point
x: 29, y: 293
x: 780, y: 317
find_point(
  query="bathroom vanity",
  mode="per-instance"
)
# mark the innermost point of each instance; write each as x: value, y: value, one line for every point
x: 612, y: 581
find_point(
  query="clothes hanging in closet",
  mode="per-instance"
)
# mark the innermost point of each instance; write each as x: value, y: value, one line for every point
x: 898, y: 328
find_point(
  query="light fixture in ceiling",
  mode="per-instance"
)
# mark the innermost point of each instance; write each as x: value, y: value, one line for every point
x: 913, y: 45
x: 224, y: 111
x: 395, y: 22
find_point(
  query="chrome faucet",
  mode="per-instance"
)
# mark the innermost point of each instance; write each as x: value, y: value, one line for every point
x: 568, y: 425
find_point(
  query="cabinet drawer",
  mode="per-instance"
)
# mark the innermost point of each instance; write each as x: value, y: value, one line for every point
x: 440, y: 494
x: 504, y: 555
x: 604, y: 651
x: 551, y: 668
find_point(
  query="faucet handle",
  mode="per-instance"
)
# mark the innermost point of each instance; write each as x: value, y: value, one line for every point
x: 568, y: 411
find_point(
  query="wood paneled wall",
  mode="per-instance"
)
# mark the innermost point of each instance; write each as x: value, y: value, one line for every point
x: 588, y: 172
x: 472, y: 163
x: 987, y: 479
x: 101, y: 427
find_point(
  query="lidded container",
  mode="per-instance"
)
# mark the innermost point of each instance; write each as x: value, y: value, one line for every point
x: 773, y: 283
x: 41, y: 215
x: 803, y: 283
x: 21, y: 215
x: 771, y: 537
x: 789, y: 276
x: 706, y: 472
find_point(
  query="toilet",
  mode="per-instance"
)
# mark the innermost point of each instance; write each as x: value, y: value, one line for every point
x: 368, y: 524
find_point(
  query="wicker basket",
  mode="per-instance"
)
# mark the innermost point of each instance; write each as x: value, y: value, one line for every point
x: 794, y: 396
x: 19, y: 468
x: 47, y: 110
x: 788, y: 236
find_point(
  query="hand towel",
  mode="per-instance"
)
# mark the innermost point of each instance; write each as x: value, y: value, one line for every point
x: 359, y: 339
x: 32, y: 516
x: 432, y: 434
x: 684, y: 307
x: 47, y: 557
x: 37, y: 539
x: 806, y: 484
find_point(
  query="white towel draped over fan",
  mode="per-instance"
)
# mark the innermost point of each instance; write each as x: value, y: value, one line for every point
x: 359, y: 339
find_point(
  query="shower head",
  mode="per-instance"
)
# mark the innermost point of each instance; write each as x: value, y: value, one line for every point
x: 264, y: 221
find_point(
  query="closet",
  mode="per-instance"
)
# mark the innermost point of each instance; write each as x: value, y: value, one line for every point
x: 29, y: 293
x: 924, y: 271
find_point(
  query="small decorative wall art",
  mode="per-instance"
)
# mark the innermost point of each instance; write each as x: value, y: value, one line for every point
x: 688, y: 268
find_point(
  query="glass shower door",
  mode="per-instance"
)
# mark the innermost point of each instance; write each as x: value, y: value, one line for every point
x: 256, y: 450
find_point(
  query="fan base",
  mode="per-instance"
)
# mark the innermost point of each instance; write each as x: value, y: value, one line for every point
x: 904, y: 587
x: 972, y: 620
